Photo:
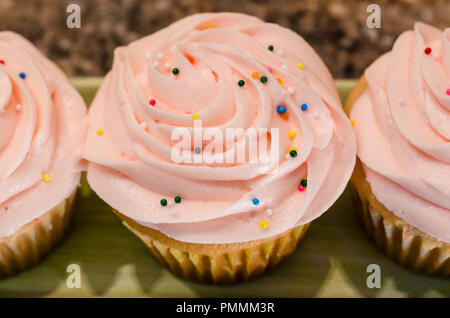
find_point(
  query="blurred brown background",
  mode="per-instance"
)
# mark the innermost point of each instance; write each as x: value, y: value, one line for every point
x: 336, y: 29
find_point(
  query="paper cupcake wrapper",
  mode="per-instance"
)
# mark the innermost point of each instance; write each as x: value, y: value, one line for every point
x: 217, y: 263
x: 402, y: 242
x: 31, y: 243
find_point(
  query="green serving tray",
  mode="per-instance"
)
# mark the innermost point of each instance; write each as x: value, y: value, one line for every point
x: 331, y: 261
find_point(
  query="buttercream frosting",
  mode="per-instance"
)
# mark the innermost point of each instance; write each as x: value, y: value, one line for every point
x: 142, y: 100
x: 402, y: 127
x: 43, y: 122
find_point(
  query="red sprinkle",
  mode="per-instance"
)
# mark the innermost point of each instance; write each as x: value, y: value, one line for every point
x: 448, y: 91
x: 301, y: 188
x: 269, y: 69
x: 152, y: 102
x: 2, y: 62
x: 428, y: 51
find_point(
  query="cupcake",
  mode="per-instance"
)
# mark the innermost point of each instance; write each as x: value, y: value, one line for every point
x: 400, y: 110
x: 42, y: 128
x: 222, y: 213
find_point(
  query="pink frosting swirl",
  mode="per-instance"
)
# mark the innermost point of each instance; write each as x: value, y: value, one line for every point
x: 130, y: 163
x: 42, y: 126
x: 402, y: 125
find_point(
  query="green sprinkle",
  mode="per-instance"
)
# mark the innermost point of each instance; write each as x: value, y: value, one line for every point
x: 175, y: 71
x: 270, y: 47
x: 241, y: 83
x: 263, y: 79
x: 304, y: 182
x: 177, y: 199
x: 293, y: 153
x: 163, y: 202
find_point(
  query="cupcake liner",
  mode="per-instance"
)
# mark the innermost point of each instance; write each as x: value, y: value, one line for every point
x: 32, y: 242
x: 217, y: 263
x: 401, y: 241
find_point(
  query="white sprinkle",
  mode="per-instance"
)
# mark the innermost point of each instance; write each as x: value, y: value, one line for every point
x: 155, y: 64
x: 269, y: 212
x: 316, y: 115
x: 147, y: 55
x: 280, y: 52
x: 50, y: 227
x: 288, y: 156
x: 175, y: 213
x: 167, y: 65
x: 18, y: 107
x: 284, y: 66
x: 144, y: 125
x: 291, y: 90
x: 434, y: 55
x: 401, y: 100
x: 159, y: 55
x: 169, y: 203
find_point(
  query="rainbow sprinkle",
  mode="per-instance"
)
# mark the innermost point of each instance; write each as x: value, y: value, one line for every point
x: 264, y: 224
x: 46, y: 177
x: 292, y: 134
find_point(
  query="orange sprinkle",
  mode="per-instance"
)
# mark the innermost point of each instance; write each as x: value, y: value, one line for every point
x: 279, y: 80
x: 255, y: 74
x: 285, y: 115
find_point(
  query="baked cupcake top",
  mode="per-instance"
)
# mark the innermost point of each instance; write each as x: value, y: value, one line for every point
x: 42, y: 129
x: 219, y: 71
x: 402, y: 127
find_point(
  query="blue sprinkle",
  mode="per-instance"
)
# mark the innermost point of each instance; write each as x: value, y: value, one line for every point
x: 197, y: 150
x: 281, y: 109
x: 255, y: 201
x: 304, y: 107
x: 22, y: 75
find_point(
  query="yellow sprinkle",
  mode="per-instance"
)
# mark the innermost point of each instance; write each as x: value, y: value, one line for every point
x: 300, y: 65
x: 292, y: 134
x: 211, y: 27
x: 292, y: 148
x: 352, y: 122
x: 99, y: 132
x: 46, y: 177
x: 280, y: 81
x: 194, y: 116
x: 264, y: 224
x: 255, y: 75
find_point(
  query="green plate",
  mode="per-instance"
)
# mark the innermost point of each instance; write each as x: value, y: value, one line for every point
x: 331, y: 261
